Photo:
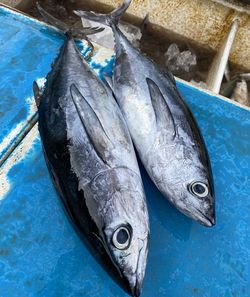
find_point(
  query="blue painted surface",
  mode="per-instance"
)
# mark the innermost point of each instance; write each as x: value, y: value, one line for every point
x: 40, y: 254
x: 25, y: 47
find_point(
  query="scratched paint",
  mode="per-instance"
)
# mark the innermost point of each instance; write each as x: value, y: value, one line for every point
x: 31, y: 106
x: 22, y: 62
x: 17, y: 156
x: 23, y: 148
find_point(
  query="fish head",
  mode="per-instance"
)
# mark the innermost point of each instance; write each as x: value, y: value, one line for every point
x: 198, y: 201
x: 191, y: 191
x: 187, y: 183
x: 125, y: 232
x: 128, y: 253
x: 117, y: 205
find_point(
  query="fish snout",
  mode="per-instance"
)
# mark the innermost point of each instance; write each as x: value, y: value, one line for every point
x: 135, y: 285
x: 206, y: 218
x: 136, y: 282
x: 137, y: 289
x: 132, y: 268
x: 208, y: 222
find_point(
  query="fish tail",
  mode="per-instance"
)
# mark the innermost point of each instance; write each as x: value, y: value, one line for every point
x: 64, y: 27
x: 109, y: 19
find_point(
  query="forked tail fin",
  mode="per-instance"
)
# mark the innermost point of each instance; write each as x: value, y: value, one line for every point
x: 109, y: 19
x: 64, y: 27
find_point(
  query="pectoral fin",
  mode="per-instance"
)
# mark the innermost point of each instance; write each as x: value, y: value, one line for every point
x: 163, y: 114
x: 92, y: 124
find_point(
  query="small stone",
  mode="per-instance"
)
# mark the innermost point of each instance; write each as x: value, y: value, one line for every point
x: 172, y: 52
x: 186, y: 60
x: 240, y: 93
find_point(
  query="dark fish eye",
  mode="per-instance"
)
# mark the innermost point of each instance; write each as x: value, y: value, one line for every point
x: 121, y: 238
x: 199, y: 189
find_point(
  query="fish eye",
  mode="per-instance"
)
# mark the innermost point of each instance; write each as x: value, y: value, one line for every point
x: 121, y: 238
x: 199, y: 189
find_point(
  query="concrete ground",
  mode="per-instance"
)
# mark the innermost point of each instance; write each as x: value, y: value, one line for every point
x: 19, y: 4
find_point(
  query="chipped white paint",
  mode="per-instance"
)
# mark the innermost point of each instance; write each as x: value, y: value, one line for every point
x: 102, y: 54
x: 84, y: 46
x: 17, y: 156
x: 10, y: 137
x: 30, y: 102
x: 24, y: 147
x: 41, y: 82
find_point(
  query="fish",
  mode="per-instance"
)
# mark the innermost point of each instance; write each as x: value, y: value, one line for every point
x: 90, y: 156
x: 163, y: 129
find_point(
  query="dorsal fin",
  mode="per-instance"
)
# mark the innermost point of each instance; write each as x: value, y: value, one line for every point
x: 163, y: 114
x: 92, y: 124
x: 37, y: 93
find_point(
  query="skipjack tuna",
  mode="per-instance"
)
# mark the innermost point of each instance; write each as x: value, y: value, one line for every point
x: 89, y: 153
x: 162, y: 127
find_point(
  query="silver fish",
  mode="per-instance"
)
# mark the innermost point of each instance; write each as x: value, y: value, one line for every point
x: 162, y: 127
x: 90, y: 156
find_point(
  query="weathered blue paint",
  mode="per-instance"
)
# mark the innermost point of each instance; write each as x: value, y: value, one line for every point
x: 41, y: 255
x: 22, y: 48
x: 27, y: 48
x: 107, y: 70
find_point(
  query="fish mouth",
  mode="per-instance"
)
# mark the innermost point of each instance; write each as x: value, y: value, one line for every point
x: 205, y: 220
x: 135, y: 285
x: 131, y: 277
x: 136, y: 290
x: 132, y: 284
x: 136, y: 281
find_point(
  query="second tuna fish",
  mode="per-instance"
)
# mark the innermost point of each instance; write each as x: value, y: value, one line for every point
x: 162, y: 127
